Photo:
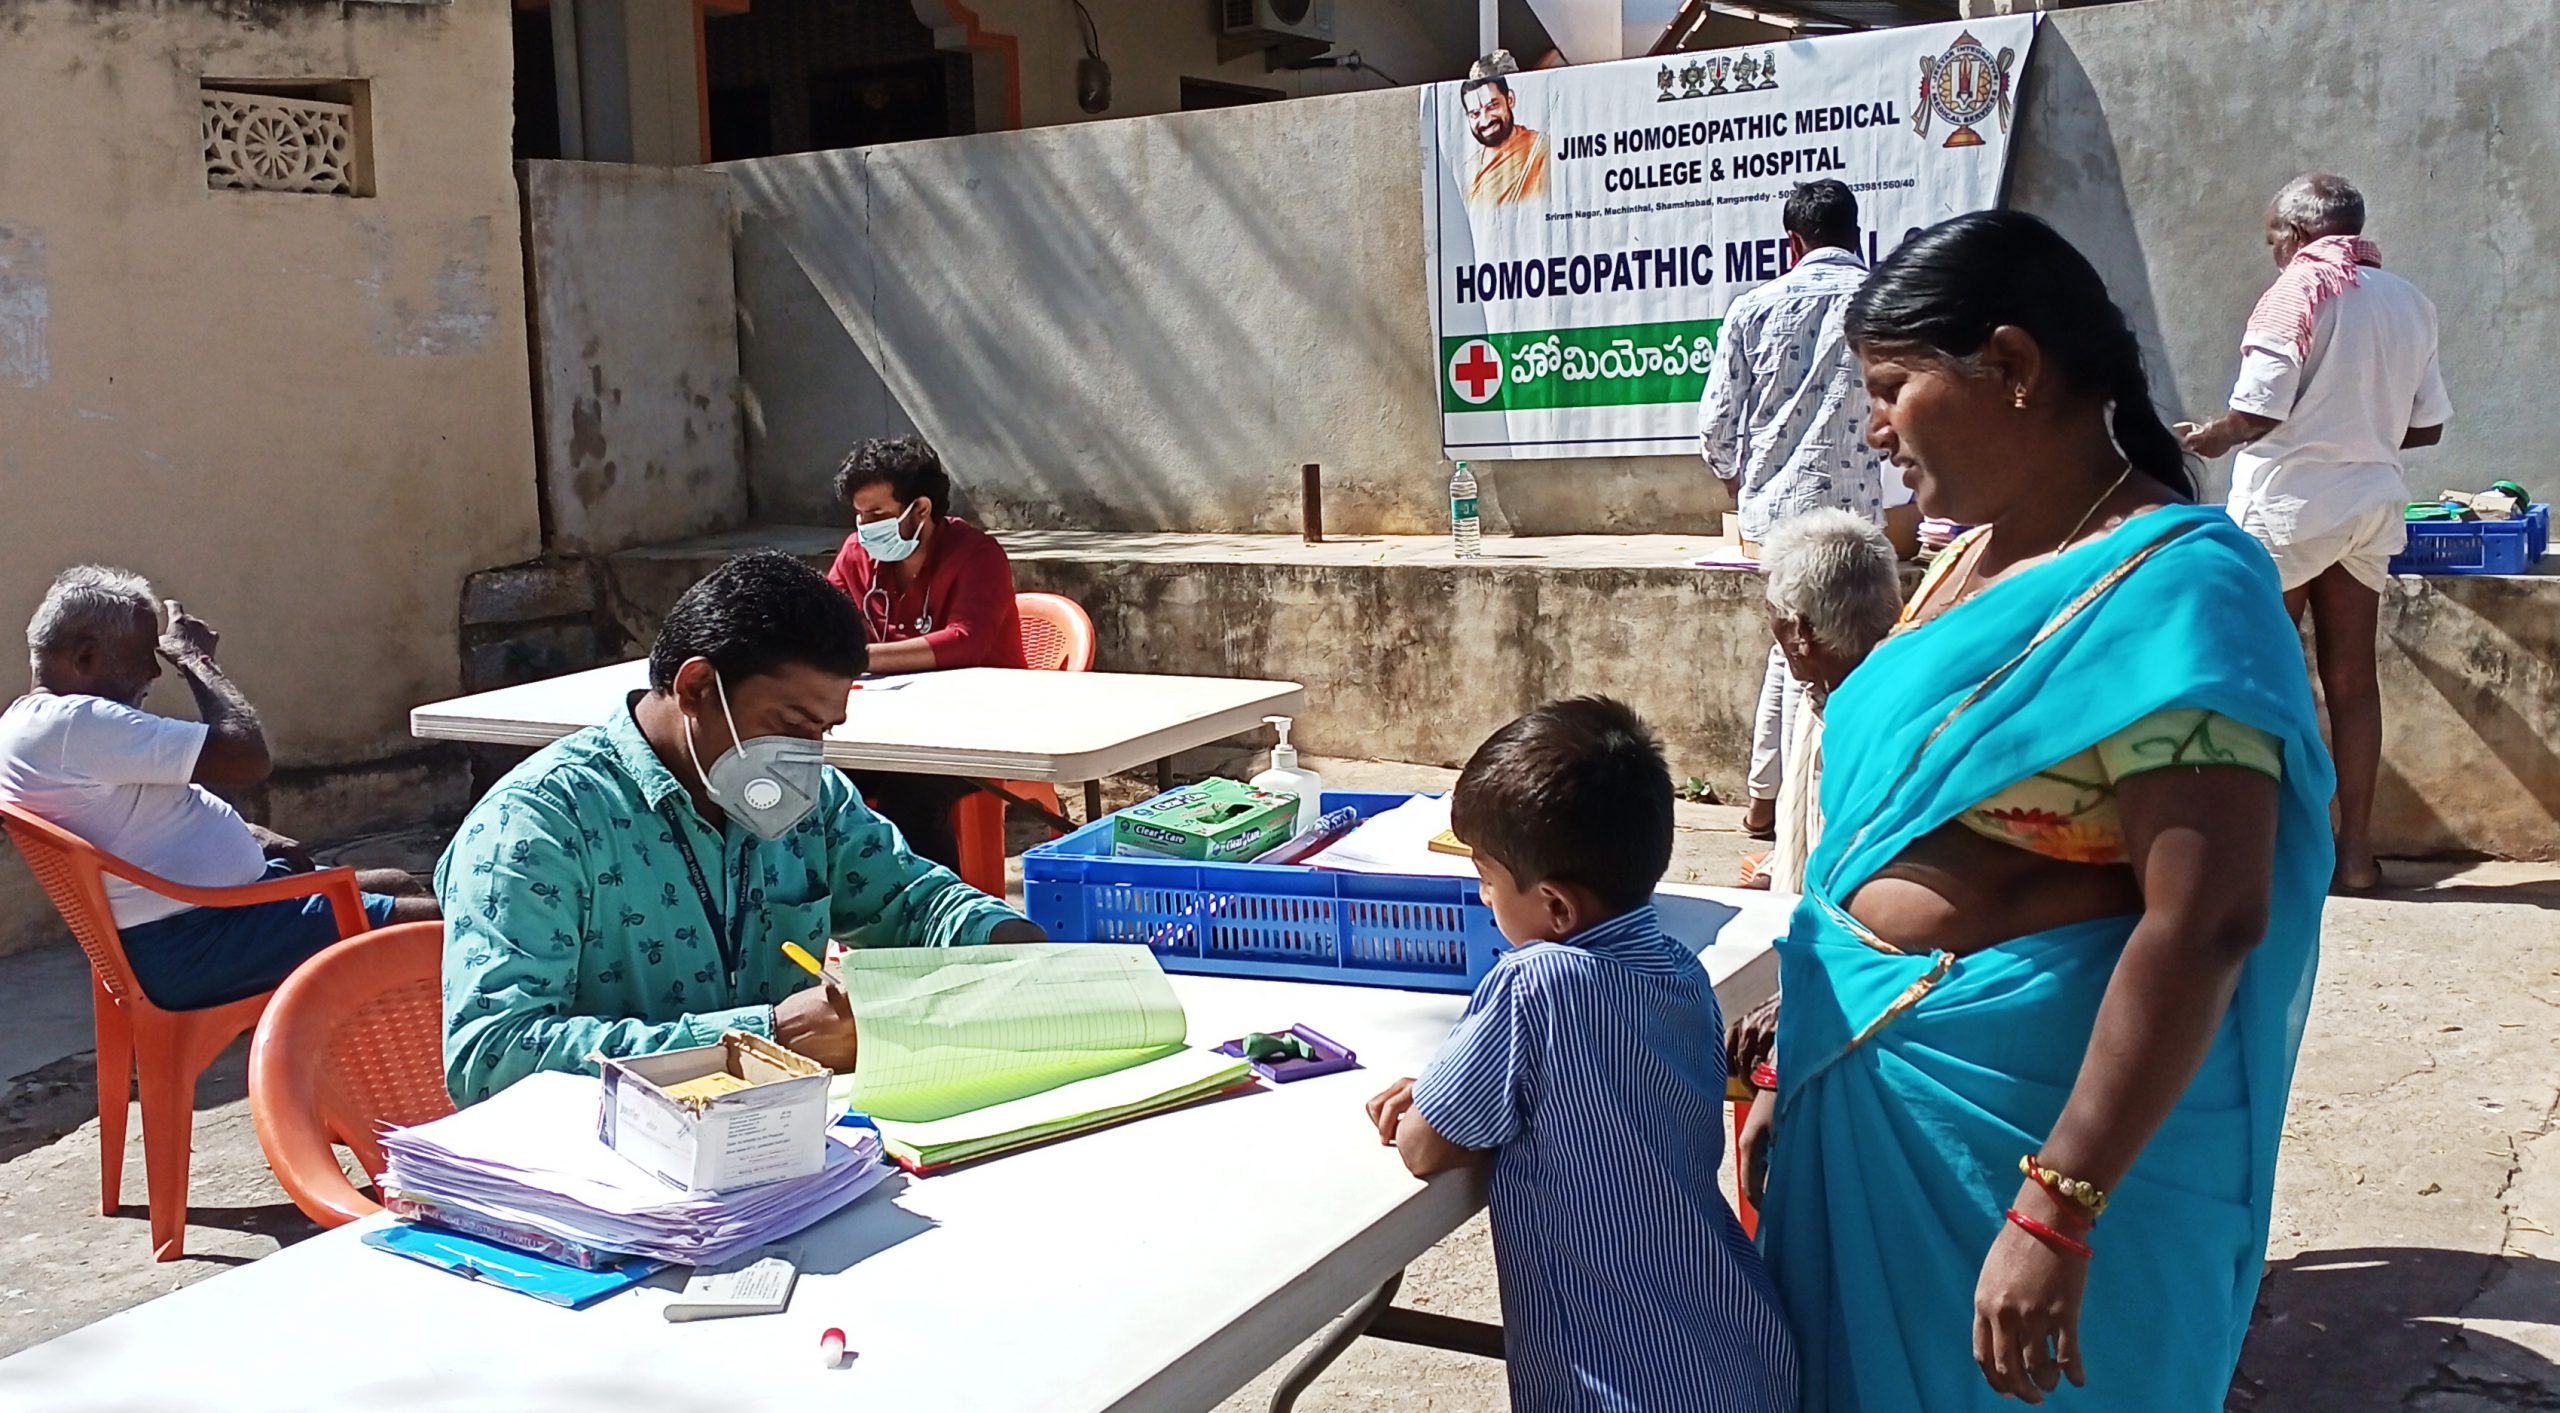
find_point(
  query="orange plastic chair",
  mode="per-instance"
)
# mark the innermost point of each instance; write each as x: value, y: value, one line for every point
x: 169, y: 1048
x: 353, y: 1040
x: 1057, y: 636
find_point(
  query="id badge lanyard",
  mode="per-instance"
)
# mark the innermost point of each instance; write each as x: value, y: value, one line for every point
x: 729, y: 930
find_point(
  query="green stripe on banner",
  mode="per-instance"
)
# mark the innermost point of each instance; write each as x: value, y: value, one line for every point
x: 1620, y: 365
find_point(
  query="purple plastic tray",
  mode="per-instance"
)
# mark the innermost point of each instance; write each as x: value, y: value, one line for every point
x: 1331, y: 1056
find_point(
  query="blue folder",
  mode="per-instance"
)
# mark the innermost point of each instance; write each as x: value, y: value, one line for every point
x: 509, y: 1269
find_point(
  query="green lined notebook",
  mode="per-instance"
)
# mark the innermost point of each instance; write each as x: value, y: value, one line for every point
x: 970, y: 1052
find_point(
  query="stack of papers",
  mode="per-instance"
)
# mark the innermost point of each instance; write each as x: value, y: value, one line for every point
x: 1398, y: 841
x: 529, y: 1160
x: 971, y: 1052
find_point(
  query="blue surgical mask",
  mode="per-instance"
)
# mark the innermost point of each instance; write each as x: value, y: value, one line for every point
x: 769, y: 784
x: 886, y: 541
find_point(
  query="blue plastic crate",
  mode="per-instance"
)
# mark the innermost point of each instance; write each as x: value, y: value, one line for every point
x: 2476, y: 546
x: 1274, y: 921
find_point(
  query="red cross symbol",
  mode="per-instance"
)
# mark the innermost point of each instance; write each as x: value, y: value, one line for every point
x: 1476, y: 371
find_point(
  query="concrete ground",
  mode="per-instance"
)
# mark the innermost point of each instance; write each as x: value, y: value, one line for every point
x: 2414, y: 1263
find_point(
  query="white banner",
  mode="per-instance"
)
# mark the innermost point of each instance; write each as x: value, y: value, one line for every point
x: 1588, y: 227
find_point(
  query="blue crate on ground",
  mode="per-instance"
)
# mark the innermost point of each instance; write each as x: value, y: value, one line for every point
x: 2476, y: 546
x: 1273, y: 921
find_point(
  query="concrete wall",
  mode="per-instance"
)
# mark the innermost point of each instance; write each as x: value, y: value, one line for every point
x: 1149, y: 325
x: 1408, y: 656
x: 1143, y: 326
x: 808, y: 391
x: 1419, y: 664
x: 305, y: 416
x: 635, y: 326
x: 2153, y: 138
x: 2471, y: 723
x: 1415, y: 663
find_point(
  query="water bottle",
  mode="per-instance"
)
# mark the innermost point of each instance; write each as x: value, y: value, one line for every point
x: 1462, y: 513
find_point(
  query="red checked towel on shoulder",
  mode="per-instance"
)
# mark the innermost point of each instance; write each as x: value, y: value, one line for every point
x: 2285, y: 313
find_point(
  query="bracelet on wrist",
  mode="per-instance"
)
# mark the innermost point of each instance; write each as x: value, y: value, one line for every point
x: 2088, y: 1197
x: 2049, y: 1235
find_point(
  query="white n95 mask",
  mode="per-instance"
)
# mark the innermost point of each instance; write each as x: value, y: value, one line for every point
x: 769, y: 783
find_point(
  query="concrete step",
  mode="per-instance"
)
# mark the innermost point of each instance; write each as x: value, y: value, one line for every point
x: 1410, y: 655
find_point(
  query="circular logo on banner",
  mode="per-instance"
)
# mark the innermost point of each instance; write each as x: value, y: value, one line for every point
x: 1476, y: 372
x: 1965, y: 86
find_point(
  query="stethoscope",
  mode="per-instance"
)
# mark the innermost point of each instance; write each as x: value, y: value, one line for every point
x: 878, y: 620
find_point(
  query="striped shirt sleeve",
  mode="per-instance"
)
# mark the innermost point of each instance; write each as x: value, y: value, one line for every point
x: 1478, y: 1093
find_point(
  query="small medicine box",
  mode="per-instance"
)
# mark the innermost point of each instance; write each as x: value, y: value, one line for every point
x: 717, y: 1117
x: 1215, y: 821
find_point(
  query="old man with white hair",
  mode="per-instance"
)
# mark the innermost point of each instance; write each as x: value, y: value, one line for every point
x: 81, y: 752
x: 2338, y: 376
x: 1834, y: 592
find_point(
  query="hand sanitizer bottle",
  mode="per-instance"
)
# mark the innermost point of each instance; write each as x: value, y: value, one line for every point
x: 1285, y: 778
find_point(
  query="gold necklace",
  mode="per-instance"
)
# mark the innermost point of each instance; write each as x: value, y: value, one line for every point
x: 2103, y: 497
x: 1973, y: 565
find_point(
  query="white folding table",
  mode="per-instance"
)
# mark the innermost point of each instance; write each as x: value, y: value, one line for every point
x: 985, y: 724
x: 1155, y: 1266
x: 988, y: 723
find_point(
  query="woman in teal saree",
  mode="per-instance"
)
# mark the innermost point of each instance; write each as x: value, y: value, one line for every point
x: 2033, y: 1058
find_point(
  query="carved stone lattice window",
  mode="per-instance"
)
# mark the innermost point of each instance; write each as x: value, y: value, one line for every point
x: 297, y: 136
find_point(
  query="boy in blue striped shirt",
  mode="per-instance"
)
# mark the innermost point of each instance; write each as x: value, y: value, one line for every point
x: 1589, y: 1070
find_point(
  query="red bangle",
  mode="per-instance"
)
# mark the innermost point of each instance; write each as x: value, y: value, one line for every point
x: 2071, y: 1224
x: 1764, y: 1075
x: 2048, y: 1235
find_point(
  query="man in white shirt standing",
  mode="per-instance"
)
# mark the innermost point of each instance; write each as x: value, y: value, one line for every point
x: 80, y: 752
x: 2338, y: 376
x: 1782, y: 424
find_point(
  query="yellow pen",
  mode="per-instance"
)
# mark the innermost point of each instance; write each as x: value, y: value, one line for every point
x: 800, y: 956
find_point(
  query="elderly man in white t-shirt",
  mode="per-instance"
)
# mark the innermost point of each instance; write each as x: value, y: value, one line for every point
x: 81, y: 752
x: 2338, y: 376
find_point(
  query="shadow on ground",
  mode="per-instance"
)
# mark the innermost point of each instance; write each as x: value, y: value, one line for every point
x: 2381, y: 1320
x: 2439, y: 881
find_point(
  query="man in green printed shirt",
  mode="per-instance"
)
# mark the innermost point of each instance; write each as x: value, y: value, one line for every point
x: 629, y: 889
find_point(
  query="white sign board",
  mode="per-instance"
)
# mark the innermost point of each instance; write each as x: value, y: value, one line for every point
x: 1587, y: 227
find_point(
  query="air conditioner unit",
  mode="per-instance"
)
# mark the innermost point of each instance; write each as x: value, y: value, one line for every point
x: 1267, y: 22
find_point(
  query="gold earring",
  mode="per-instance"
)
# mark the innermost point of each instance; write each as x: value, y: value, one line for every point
x: 2018, y: 397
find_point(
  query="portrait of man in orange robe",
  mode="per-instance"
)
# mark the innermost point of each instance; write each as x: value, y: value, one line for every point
x: 1511, y: 164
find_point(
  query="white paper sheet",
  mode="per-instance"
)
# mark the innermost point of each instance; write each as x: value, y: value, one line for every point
x: 529, y: 1156
x: 1398, y: 841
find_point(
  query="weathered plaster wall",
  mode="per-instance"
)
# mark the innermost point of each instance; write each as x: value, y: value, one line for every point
x: 635, y: 322
x: 1407, y: 656
x: 1420, y: 664
x: 1145, y: 325
x: 798, y: 427
x: 305, y: 416
x: 1148, y: 325
x: 2154, y: 134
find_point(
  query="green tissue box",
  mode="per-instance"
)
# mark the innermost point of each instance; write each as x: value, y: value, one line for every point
x: 1215, y: 821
